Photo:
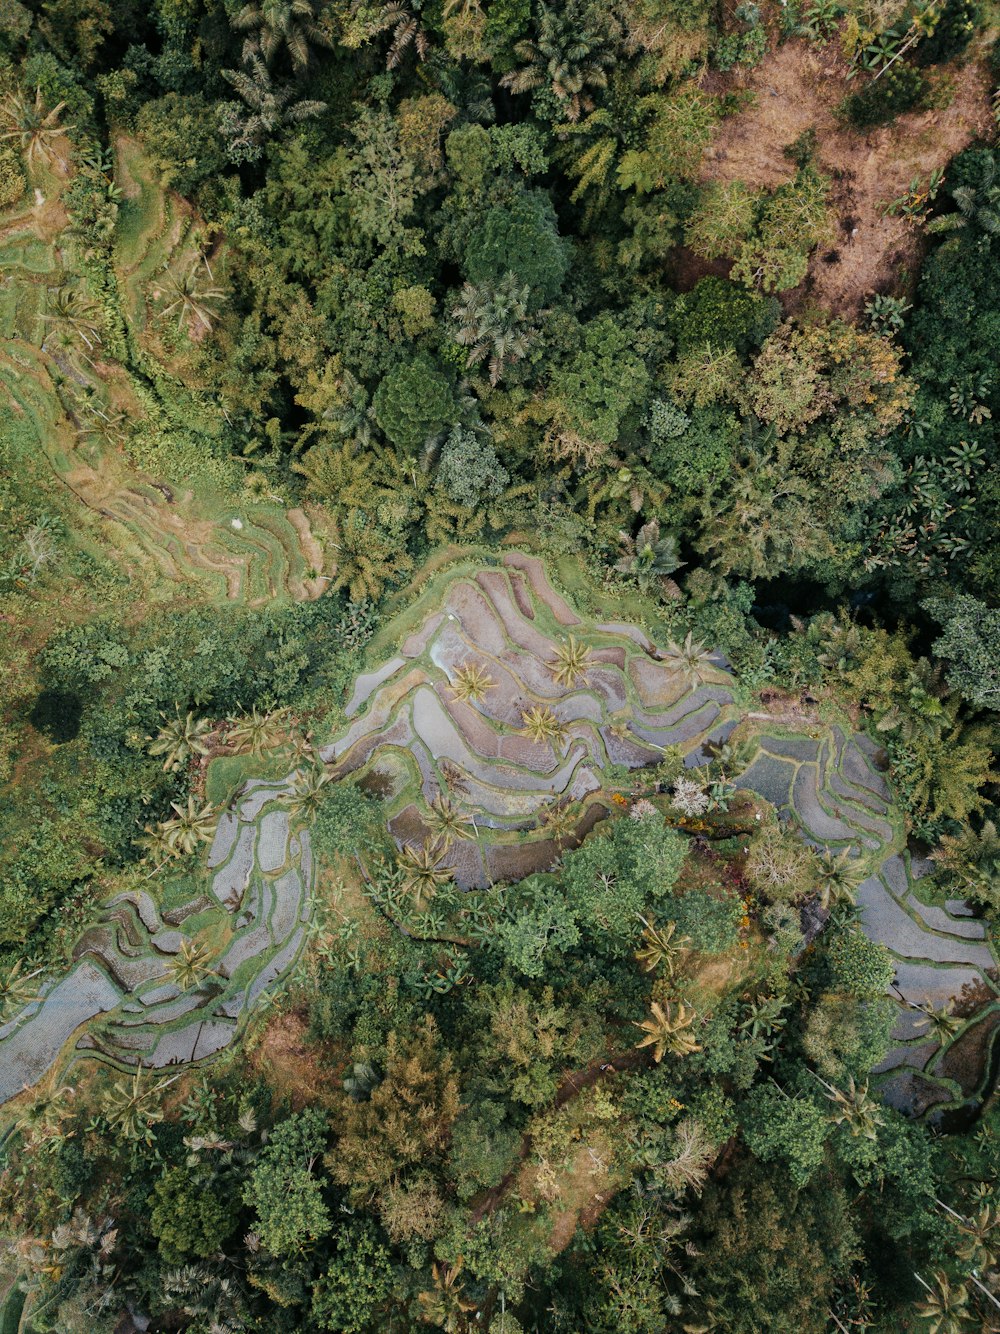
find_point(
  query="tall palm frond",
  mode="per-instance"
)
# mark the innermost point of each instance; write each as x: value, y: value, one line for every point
x: 34, y: 128
x: 449, y: 821
x: 541, y: 724
x: 180, y: 738
x: 668, y: 1030
x: 571, y: 662
x: 422, y: 871
x: 471, y: 682
x: 690, y: 658
x: 191, y: 825
x: 256, y: 732
x: 660, y: 948
x: 275, y: 24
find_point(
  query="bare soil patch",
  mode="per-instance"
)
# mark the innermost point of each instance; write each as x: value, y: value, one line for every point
x: 797, y: 88
x: 289, y: 1061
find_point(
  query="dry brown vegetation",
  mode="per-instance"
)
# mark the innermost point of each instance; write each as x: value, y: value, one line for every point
x: 797, y: 88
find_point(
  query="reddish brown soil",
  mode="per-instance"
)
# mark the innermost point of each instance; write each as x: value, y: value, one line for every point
x: 797, y: 88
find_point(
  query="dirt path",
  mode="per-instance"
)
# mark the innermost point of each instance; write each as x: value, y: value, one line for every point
x: 797, y: 88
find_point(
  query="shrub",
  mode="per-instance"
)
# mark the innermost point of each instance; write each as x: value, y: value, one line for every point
x: 952, y: 32
x: 179, y: 133
x: 860, y: 966
x: 901, y: 88
x: 724, y: 314
x: 710, y: 921
x: 469, y: 469
x: 12, y: 182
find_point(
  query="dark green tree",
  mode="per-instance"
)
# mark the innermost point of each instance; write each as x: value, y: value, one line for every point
x: 414, y: 403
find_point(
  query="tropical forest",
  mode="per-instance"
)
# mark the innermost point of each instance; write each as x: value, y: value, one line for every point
x: 499, y: 666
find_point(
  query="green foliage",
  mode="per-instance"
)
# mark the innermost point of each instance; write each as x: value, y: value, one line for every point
x: 180, y: 136
x: 285, y: 1188
x: 355, y: 1284
x: 722, y: 314
x: 414, y: 403
x: 540, y: 923
x: 956, y: 24
x: 484, y: 1148
x: 859, y: 966
x: 345, y: 821
x: 521, y: 237
x: 970, y: 644
x: 711, y: 921
x: 469, y: 469
x: 604, y: 387
x: 900, y: 88
x: 679, y: 132
x: 790, y: 1130
x: 193, y: 1214
x: 772, y: 1254
x: 12, y: 180
x: 615, y: 876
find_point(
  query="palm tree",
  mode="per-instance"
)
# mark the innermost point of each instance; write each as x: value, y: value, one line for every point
x: 398, y: 17
x: 269, y: 108
x: 422, y: 871
x: 16, y: 990
x: 941, y: 1025
x: 763, y: 1021
x: 191, y: 825
x: 921, y: 711
x: 978, y: 1245
x: 693, y: 1153
x: 131, y: 1106
x: 448, y: 821
x: 667, y: 1030
x: 560, y: 820
x: 257, y: 732
x: 572, y: 661
x: 945, y: 1308
x: 307, y: 792
x: 493, y: 322
x: 157, y: 846
x: 444, y: 1306
x: 273, y: 24
x: 855, y: 1108
x: 34, y: 128
x: 76, y: 314
x: 978, y: 206
x: 839, y: 877
x: 689, y: 658
x: 179, y: 739
x: 570, y: 54
x: 192, y: 299
x: 368, y: 556
x: 541, y: 724
x: 191, y: 966
x: 471, y: 682
x: 660, y: 947
x: 647, y: 556
x: 42, y: 1120
x: 970, y: 860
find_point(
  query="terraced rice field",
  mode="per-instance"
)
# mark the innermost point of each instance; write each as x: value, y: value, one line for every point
x: 121, y: 986
x: 169, y: 538
x: 411, y: 731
